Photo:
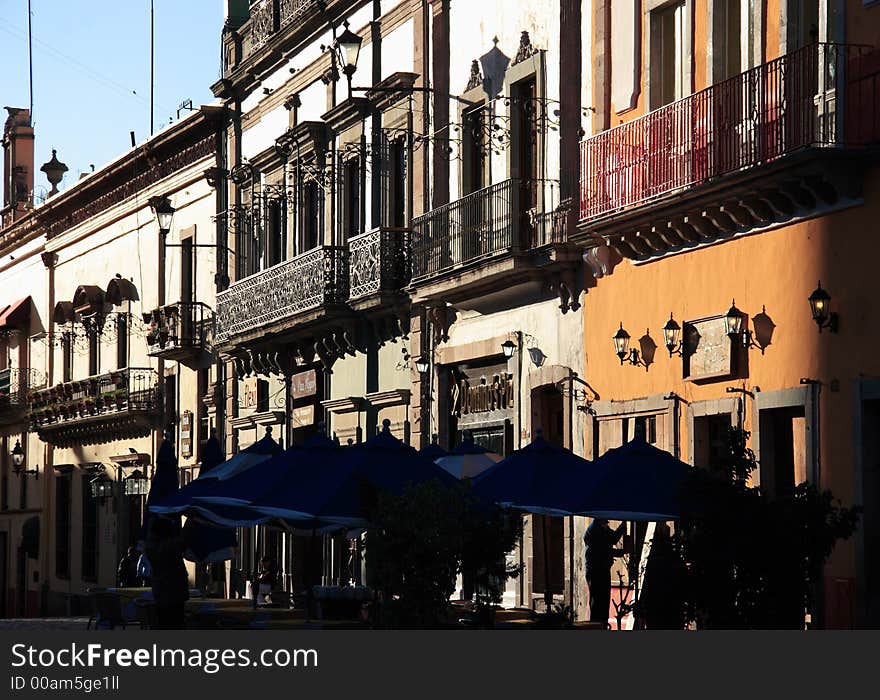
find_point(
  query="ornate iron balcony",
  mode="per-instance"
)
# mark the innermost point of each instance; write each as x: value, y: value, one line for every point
x: 110, y: 406
x: 314, y: 279
x: 790, y: 103
x: 181, y: 331
x: 271, y: 16
x: 378, y: 261
x: 479, y: 225
x: 15, y: 383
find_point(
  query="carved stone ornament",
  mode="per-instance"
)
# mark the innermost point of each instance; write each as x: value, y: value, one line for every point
x: 476, y: 78
x: 526, y: 50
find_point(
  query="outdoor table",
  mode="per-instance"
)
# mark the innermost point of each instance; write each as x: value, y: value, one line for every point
x: 128, y: 597
x: 335, y: 602
x: 239, y: 613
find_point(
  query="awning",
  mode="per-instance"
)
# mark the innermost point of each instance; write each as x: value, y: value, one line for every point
x: 120, y: 290
x: 16, y: 315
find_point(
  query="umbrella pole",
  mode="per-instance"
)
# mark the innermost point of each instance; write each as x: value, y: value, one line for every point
x: 548, y: 594
x: 255, y: 586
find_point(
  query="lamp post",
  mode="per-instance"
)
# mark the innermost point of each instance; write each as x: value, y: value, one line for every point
x: 18, y: 459
x: 348, y: 47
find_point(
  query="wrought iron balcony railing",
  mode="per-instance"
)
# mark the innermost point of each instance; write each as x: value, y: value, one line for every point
x: 180, y: 330
x: 489, y: 222
x: 479, y: 225
x: 316, y: 278
x: 270, y: 16
x: 822, y: 95
x: 378, y: 261
x: 99, y: 400
x: 15, y: 383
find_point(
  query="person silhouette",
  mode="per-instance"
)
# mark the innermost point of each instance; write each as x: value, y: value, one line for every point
x: 599, y: 541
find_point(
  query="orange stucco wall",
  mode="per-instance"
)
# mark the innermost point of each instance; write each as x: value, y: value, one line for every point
x: 776, y: 269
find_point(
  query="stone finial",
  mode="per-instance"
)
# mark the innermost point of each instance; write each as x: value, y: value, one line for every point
x: 54, y: 170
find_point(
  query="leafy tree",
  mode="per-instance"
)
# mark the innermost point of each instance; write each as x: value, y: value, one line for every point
x: 423, y: 539
x: 753, y: 561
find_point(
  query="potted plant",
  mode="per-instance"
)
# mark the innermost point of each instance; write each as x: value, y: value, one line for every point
x: 120, y: 395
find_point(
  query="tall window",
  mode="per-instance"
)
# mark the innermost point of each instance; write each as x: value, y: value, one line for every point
x: 121, y: 341
x: 67, y: 356
x: 94, y: 348
x: 4, y: 475
x: 62, y: 526
x: 351, y: 197
x: 310, y: 214
x: 710, y: 440
x: 525, y: 135
x: 397, y: 184
x: 473, y: 150
x: 276, y: 232
x: 89, y: 530
x: 731, y: 38
x: 668, y: 45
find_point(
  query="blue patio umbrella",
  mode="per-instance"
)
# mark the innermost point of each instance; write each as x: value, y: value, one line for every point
x: 433, y: 451
x: 539, y: 478
x: 246, y: 486
x: 340, y: 490
x: 636, y: 482
x: 164, y: 483
x: 205, y: 543
x: 179, y: 502
x: 468, y: 459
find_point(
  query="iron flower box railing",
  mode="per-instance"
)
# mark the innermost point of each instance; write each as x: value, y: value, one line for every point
x: 15, y: 383
x: 378, y: 261
x: 821, y: 95
x: 313, y: 279
x: 121, y: 391
x: 480, y: 225
x: 179, y: 330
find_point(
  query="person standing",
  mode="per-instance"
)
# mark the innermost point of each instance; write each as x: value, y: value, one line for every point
x: 599, y: 541
x: 126, y: 573
x: 144, y: 570
x: 169, y: 577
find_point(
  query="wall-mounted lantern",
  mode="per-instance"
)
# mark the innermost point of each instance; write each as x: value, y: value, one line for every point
x: 672, y: 336
x: 101, y: 487
x: 820, y: 303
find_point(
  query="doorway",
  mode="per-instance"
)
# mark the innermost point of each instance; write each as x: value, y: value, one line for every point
x: 548, y: 532
x: 783, y: 450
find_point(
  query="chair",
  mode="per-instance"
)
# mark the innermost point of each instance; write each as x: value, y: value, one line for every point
x: 146, y: 614
x: 90, y: 596
x: 108, y: 610
x: 281, y: 599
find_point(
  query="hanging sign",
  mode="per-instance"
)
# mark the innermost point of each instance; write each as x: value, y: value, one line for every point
x: 186, y: 433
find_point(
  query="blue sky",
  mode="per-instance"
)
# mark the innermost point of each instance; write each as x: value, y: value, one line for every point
x: 92, y: 71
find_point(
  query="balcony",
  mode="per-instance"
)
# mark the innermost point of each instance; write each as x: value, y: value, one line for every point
x: 295, y: 292
x: 113, y: 406
x: 378, y: 263
x: 767, y: 146
x: 488, y: 243
x: 183, y: 332
x: 15, y: 383
x: 269, y: 19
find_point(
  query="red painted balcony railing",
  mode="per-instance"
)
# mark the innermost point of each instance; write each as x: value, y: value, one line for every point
x: 822, y: 95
